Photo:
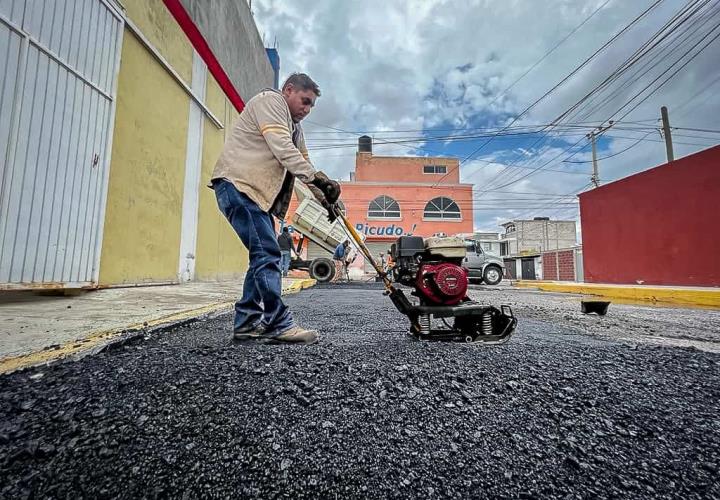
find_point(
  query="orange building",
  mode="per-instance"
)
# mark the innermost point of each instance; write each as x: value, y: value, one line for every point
x: 391, y: 196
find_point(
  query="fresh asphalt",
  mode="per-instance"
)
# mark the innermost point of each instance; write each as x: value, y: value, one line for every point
x: 561, y: 411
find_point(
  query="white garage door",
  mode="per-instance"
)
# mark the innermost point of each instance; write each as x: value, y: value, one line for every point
x: 375, y: 250
x: 57, y: 98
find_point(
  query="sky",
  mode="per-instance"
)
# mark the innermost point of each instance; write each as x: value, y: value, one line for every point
x: 433, y: 71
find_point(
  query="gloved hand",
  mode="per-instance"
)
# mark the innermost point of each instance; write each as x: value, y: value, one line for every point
x: 329, y: 187
x: 331, y: 212
x: 320, y: 197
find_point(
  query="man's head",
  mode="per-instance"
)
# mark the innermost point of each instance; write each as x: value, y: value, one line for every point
x: 346, y: 243
x: 286, y: 230
x: 300, y: 93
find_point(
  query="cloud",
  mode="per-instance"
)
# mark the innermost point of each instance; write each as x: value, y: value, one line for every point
x: 419, y: 65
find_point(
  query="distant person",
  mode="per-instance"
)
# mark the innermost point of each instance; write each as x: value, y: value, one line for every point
x: 389, y: 264
x: 253, y: 181
x: 285, y: 242
x: 339, y: 258
x: 350, y: 257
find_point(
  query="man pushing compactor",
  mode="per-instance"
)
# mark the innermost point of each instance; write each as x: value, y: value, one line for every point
x: 253, y: 182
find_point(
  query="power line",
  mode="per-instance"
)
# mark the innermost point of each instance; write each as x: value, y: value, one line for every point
x: 712, y: 39
x: 570, y: 75
x: 623, y: 67
x: 668, y: 29
x: 697, y: 94
x: 614, y: 154
x: 517, y: 179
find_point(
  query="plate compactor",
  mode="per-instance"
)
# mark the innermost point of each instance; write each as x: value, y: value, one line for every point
x: 432, y: 267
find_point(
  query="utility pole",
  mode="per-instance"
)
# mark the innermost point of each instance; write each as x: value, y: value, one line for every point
x: 666, y: 133
x: 595, y: 178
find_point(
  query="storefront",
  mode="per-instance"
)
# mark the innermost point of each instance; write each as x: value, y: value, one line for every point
x: 388, y: 197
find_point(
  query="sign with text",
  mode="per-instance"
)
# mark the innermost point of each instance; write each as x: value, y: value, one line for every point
x: 384, y: 230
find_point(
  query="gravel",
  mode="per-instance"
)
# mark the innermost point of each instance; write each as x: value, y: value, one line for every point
x: 659, y: 325
x: 369, y: 412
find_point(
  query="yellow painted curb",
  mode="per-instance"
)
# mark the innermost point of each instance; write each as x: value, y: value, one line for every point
x: 678, y: 296
x: 299, y: 284
x: 101, y: 337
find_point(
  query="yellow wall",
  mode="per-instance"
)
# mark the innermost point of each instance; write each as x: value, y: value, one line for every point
x: 220, y: 255
x: 141, y: 238
x: 163, y: 32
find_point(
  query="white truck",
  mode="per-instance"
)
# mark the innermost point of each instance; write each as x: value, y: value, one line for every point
x: 482, y: 267
x: 311, y: 222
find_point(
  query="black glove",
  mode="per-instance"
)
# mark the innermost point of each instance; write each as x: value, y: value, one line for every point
x: 332, y: 217
x: 320, y: 197
x: 329, y: 187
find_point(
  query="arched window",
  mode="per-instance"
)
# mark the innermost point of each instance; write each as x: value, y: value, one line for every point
x: 510, y: 228
x: 442, y: 208
x: 384, y: 207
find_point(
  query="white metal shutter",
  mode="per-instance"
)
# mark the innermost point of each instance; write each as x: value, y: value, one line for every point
x: 375, y: 249
x: 60, y: 61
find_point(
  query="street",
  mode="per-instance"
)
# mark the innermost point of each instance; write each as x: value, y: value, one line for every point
x: 574, y: 406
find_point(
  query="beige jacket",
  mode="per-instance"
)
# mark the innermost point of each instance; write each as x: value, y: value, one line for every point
x: 265, y: 152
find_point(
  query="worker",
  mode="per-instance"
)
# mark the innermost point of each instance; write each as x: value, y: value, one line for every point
x: 389, y: 265
x: 350, y: 257
x: 285, y: 242
x: 253, y: 181
x: 382, y: 262
x: 339, y: 258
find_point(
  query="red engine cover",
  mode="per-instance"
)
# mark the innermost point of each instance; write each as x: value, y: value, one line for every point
x: 443, y: 283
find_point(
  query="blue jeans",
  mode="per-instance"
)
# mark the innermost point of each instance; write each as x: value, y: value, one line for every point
x: 261, y: 300
x: 285, y: 262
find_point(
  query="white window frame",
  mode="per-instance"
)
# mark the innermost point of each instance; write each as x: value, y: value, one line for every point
x: 442, y: 218
x: 384, y: 210
x: 436, y: 169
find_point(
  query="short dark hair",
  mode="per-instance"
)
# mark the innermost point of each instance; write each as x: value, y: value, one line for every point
x: 286, y: 230
x: 302, y: 81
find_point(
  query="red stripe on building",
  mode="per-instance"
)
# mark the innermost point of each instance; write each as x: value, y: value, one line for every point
x: 200, y: 44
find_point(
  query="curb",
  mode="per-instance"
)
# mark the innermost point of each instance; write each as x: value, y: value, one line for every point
x: 97, y: 341
x: 106, y: 339
x: 649, y: 294
x: 299, y: 284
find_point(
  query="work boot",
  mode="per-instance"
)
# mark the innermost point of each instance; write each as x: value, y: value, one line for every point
x: 249, y: 332
x: 293, y: 335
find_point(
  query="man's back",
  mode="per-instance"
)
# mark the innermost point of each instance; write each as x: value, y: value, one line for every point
x: 264, y: 145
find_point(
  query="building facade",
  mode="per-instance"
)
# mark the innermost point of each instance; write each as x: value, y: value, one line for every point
x: 127, y: 106
x: 524, y: 241
x: 657, y: 227
x: 562, y: 265
x: 389, y: 196
x: 490, y: 242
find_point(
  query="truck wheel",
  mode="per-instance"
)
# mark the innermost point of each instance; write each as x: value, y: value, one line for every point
x: 492, y: 275
x: 322, y: 270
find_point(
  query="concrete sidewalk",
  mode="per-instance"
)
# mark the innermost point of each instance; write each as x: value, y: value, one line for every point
x: 679, y: 296
x: 36, y: 329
